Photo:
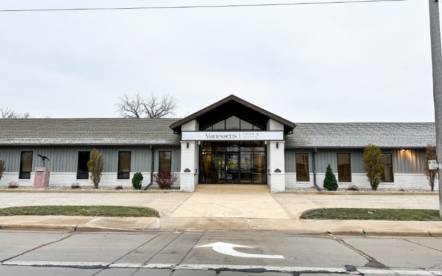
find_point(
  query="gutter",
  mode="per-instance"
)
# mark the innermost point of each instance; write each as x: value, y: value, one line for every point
x: 151, y: 168
x: 314, y: 169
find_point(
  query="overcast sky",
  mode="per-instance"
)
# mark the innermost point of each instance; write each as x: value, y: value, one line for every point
x: 314, y: 63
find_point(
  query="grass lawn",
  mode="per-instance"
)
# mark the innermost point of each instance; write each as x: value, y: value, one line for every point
x: 373, y: 214
x: 102, y: 211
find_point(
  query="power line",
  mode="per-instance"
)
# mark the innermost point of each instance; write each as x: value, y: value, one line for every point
x: 197, y: 7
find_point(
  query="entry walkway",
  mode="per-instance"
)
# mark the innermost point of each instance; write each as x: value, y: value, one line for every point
x: 231, y: 201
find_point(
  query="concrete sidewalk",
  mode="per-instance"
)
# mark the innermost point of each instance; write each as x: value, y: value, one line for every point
x: 222, y: 207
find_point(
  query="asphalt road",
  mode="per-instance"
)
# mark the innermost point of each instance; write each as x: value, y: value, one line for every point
x: 225, y: 253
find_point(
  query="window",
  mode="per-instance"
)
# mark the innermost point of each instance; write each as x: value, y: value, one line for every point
x: 344, y: 168
x: 387, y: 172
x: 25, y: 165
x: 231, y: 123
x: 124, y: 165
x: 165, y: 161
x: 302, y: 169
x: 83, y: 158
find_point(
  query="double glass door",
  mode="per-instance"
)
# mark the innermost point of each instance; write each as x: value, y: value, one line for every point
x: 232, y: 163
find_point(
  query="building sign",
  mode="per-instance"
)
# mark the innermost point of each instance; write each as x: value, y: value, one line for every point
x: 232, y: 136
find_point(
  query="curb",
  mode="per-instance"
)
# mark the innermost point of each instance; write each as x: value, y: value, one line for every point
x: 84, y: 228
x: 357, y: 193
x: 94, y: 192
x: 38, y: 227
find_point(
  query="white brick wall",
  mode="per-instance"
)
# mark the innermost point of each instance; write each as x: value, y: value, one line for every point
x: 189, y: 159
x: 401, y: 181
x: 276, y: 160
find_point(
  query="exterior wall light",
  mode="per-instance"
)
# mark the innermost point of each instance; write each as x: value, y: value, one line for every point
x: 403, y: 150
x: 187, y: 144
x: 277, y: 145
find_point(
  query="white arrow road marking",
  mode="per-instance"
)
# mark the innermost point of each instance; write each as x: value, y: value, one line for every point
x: 227, y: 249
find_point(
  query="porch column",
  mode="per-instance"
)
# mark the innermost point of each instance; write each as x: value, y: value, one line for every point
x: 189, y: 159
x: 276, y: 160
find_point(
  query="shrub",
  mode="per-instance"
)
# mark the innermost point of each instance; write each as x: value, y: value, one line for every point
x: 372, y: 159
x: 137, y: 180
x: 2, y: 168
x: 165, y: 180
x: 13, y: 185
x: 330, y: 182
x: 75, y: 186
x: 95, y: 166
x: 119, y: 187
x: 352, y: 188
x: 430, y: 154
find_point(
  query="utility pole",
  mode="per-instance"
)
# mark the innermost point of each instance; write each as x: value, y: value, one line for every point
x: 436, y: 53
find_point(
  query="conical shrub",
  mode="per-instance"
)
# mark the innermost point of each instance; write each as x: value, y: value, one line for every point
x: 330, y: 181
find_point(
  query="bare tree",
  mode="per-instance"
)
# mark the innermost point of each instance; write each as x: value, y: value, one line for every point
x: 155, y: 107
x: 130, y: 107
x: 151, y: 107
x: 7, y: 113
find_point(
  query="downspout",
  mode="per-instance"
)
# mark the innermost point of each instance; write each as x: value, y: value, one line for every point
x: 151, y: 168
x: 314, y: 170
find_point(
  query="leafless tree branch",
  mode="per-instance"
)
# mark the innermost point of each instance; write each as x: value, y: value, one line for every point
x: 151, y: 107
x: 130, y: 107
x: 7, y: 113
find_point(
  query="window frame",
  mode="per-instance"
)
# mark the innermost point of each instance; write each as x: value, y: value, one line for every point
x: 392, y: 167
x: 159, y: 160
x: 78, y: 163
x: 21, y: 171
x: 337, y: 166
x: 121, y: 175
x: 308, y: 166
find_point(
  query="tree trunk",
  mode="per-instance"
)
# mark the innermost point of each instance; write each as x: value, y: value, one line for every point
x: 437, y: 80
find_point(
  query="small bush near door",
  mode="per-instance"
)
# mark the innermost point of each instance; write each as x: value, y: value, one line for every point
x: 165, y: 180
x: 137, y: 180
x: 330, y: 182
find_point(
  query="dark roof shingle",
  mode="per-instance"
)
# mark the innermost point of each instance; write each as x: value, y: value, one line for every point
x: 359, y: 135
x: 117, y: 131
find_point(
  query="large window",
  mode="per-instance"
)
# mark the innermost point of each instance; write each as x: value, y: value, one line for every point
x: 165, y: 161
x: 302, y: 169
x: 232, y: 123
x: 83, y: 158
x: 387, y: 172
x: 344, y: 167
x: 25, y: 165
x: 124, y: 165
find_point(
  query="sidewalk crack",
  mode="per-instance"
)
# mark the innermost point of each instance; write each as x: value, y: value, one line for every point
x: 68, y: 236
x: 372, y: 262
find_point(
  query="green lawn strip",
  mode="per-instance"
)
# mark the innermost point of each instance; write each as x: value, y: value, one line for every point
x: 102, y: 211
x: 373, y: 214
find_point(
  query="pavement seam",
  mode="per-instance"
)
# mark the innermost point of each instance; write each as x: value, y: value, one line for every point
x: 127, y: 254
x: 68, y: 236
x: 202, y: 234
x: 286, y: 210
x: 178, y: 205
x: 423, y: 245
x: 212, y: 205
x: 162, y: 249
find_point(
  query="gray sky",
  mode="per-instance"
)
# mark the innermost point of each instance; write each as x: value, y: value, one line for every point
x: 316, y: 63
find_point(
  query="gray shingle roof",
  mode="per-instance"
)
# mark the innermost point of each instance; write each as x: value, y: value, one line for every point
x: 111, y: 131
x: 116, y: 131
x: 359, y: 135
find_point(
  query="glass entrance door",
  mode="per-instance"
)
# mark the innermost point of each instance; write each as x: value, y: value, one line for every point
x: 232, y: 175
x: 233, y: 162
